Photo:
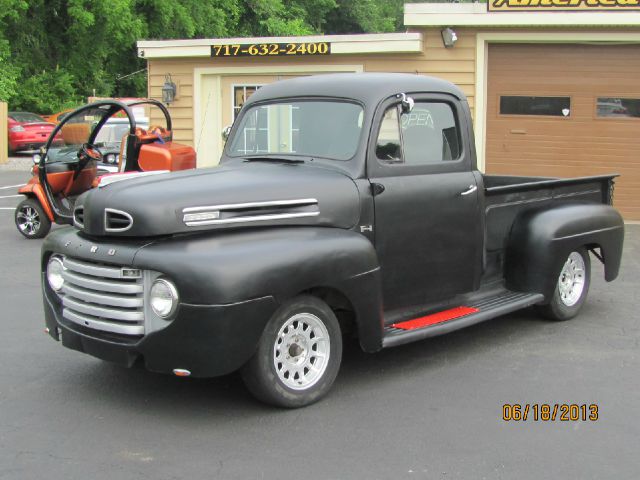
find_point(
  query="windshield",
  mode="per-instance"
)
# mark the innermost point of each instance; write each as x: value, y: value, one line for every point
x: 323, y: 129
x: 75, y: 131
x: 26, y: 117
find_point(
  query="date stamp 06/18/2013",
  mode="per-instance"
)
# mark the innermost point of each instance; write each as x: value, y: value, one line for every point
x: 550, y: 412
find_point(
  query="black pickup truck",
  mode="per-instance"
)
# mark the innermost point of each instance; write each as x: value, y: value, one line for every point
x: 344, y: 205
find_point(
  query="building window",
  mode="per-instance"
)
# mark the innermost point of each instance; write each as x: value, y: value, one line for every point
x: 615, y: 107
x: 525, y: 105
x: 255, y: 135
x: 241, y: 94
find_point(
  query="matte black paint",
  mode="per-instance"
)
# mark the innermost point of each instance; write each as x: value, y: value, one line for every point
x: 421, y: 211
x: 542, y: 239
x: 415, y: 247
x: 206, y: 340
x: 416, y: 217
x: 156, y: 202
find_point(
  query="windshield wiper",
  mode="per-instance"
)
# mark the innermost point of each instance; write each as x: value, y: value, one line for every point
x: 273, y: 159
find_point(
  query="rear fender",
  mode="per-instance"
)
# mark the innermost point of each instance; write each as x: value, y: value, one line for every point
x: 541, y: 240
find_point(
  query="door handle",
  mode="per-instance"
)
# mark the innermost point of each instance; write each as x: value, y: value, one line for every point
x: 471, y: 189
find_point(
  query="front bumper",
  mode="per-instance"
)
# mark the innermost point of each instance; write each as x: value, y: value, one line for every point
x: 19, y: 145
x: 207, y: 340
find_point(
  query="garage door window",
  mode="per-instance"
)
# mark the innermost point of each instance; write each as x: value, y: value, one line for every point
x: 612, y: 107
x: 526, y: 105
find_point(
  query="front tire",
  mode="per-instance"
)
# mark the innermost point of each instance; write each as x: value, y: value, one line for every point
x: 31, y: 220
x: 571, y: 288
x: 298, y: 356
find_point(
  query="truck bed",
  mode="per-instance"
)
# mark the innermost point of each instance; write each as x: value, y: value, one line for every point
x: 507, y: 196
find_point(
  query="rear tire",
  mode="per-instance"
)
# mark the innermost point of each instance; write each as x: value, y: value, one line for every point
x: 571, y: 288
x: 298, y: 356
x: 31, y: 221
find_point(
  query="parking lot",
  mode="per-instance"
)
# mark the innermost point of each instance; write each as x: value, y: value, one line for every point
x: 431, y: 409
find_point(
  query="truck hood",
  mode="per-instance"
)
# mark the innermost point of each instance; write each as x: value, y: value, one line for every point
x: 236, y: 196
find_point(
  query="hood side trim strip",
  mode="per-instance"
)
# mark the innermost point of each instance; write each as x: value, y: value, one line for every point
x: 239, y: 206
x: 255, y: 218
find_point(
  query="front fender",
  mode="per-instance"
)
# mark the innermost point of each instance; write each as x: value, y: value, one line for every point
x: 230, y: 267
x: 541, y: 240
x: 34, y: 189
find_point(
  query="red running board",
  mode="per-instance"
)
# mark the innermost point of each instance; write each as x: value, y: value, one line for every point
x: 434, y: 318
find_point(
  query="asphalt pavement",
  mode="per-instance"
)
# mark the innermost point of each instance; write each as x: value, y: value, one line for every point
x: 432, y: 409
x: 21, y: 162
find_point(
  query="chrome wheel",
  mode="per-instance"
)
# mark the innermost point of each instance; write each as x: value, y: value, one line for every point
x: 28, y: 220
x: 301, y: 351
x: 572, y: 280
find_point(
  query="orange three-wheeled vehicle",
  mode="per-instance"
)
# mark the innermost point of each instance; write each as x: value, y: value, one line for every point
x: 104, y: 138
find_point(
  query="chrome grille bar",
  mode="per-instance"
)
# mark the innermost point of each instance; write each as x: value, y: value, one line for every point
x: 104, y: 326
x: 100, y: 297
x: 101, y: 285
x: 103, y: 299
x: 110, y: 313
x: 90, y: 269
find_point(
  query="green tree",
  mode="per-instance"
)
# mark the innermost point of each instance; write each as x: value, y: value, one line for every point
x: 365, y: 16
x: 48, y: 91
x: 55, y: 53
x: 9, y: 72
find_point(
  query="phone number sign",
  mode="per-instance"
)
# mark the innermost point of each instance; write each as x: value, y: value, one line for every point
x: 271, y: 49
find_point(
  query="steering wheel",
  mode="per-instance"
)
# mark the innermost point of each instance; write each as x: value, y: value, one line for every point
x: 87, y: 152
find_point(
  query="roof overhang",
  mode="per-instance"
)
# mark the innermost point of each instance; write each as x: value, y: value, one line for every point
x: 340, y: 44
x: 476, y: 15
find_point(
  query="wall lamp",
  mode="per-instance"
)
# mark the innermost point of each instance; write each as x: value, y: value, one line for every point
x: 169, y: 90
x: 449, y: 37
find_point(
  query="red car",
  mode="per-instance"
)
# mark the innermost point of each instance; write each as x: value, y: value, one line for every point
x: 27, y: 131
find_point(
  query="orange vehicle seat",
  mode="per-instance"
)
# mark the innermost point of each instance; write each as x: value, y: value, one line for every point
x: 75, y: 133
x: 166, y: 156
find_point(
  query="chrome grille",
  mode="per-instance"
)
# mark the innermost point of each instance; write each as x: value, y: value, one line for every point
x: 101, y: 297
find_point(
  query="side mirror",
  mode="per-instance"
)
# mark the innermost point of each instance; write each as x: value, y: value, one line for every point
x: 226, y: 132
x: 406, y: 102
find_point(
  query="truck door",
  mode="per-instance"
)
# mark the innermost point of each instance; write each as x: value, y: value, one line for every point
x: 428, y: 221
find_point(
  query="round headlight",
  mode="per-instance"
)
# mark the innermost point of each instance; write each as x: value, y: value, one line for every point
x: 163, y: 298
x: 55, y: 268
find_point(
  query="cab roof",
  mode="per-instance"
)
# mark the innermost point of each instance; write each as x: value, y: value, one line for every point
x: 368, y: 88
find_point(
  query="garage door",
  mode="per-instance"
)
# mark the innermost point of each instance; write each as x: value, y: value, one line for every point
x: 566, y: 111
